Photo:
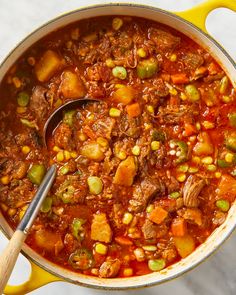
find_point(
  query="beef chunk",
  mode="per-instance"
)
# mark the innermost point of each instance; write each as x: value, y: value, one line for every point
x: 143, y: 192
x: 149, y: 230
x: 172, y: 185
x: 192, y: 61
x: 192, y: 189
x: 110, y: 268
x: 164, y: 40
x: 38, y: 103
x: 62, y: 136
x: 103, y: 127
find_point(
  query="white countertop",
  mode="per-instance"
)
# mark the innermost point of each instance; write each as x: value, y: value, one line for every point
x: 217, y: 275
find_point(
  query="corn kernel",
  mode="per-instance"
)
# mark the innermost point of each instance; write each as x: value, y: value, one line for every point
x: 196, y: 160
x: 173, y: 57
x: 58, y: 103
x: 82, y: 137
x: 208, y: 125
x: 5, y: 179
x: 150, y: 208
x: 11, y: 212
x: 211, y: 167
x: 110, y: 63
x: 102, y: 141
x: 150, y: 248
x: 128, y: 272
x: 198, y: 126
x: 229, y: 157
x: 117, y: 23
x: 74, y: 155
x: 136, y: 150
x: 31, y: 61
x: 95, y: 271
x: 60, y: 156
x: 141, y: 52
x: 118, y: 86
x: 173, y: 91
x: 90, y: 117
x: 181, y: 177
x: 218, y: 174
x: 25, y: 149
x: 113, y: 112
x: 101, y: 249
x: 17, y: 82
x: 21, y: 110
x: 150, y: 109
x: 226, y: 99
x: 207, y: 160
x: 56, y: 148
x: 127, y: 218
x: 183, y: 96
x: 22, y: 211
x: 147, y: 126
x: 122, y: 155
x: 155, y: 145
x: 67, y: 155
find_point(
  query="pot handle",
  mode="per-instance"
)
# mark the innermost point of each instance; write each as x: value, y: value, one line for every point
x: 38, y: 278
x: 198, y: 14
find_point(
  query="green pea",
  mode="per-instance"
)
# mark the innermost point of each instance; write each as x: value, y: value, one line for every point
x: 232, y: 119
x: 23, y: 99
x: 68, y: 117
x: 36, y: 173
x: 192, y: 92
x: 156, y: 264
x: 119, y: 72
x: 47, y: 205
x: 223, y: 205
x: 95, y: 185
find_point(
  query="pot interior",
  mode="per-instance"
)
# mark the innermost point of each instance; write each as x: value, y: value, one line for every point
x: 222, y: 232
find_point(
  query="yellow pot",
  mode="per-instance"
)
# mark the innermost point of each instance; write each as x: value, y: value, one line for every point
x: 191, y: 23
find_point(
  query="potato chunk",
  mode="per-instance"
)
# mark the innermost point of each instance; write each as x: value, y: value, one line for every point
x: 71, y: 85
x: 92, y: 151
x: 49, y: 241
x: 46, y: 67
x: 125, y: 172
x: 100, y: 228
x: 124, y: 95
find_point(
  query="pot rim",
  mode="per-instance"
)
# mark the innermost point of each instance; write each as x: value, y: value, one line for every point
x: 209, y: 253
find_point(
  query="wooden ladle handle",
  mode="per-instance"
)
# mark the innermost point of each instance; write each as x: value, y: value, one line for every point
x: 9, y: 256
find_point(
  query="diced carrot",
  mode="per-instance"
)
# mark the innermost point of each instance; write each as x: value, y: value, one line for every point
x: 165, y: 77
x: 227, y: 186
x: 189, y: 129
x: 133, y: 110
x: 158, y: 215
x: 180, y: 78
x: 179, y: 227
x: 123, y: 241
x: 89, y: 132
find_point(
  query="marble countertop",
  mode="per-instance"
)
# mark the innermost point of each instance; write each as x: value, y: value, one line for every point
x: 217, y: 275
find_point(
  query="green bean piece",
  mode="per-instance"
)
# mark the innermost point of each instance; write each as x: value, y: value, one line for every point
x: 119, y: 72
x: 147, y: 68
x: 156, y: 264
x: 232, y: 119
x: 224, y: 84
x: 36, y: 173
x: 23, y: 99
x: 68, y: 117
x: 77, y: 228
x: 95, y: 185
x: 230, y: 142
x: 223, y: 205
x: 47, y: 205
x: 192, y: 92
x: 81, y: 259
x: 30, y: 124
x: 223, y: 164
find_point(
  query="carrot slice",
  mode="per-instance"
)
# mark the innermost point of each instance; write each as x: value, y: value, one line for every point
x: 158, y: 215
x: 123, y: 241
x: 189, y: 129
x: 180, y: 78
x: 179, y: 227
x: 133, y: 110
